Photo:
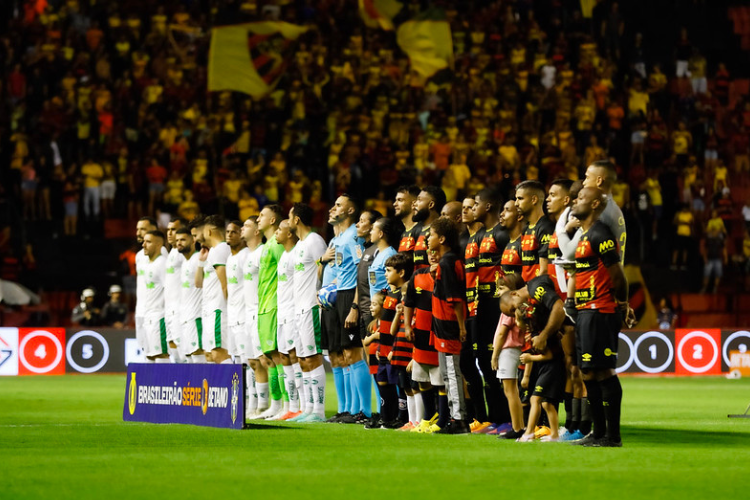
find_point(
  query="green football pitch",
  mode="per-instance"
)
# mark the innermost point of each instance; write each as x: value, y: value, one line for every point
x: 63, y: 437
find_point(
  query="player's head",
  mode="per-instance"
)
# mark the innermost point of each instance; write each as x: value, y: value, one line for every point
x: 558, y: 197
x: 510, y: 217
x: 346, y: 208
x: 301, y: 214
x: 196, y: 229
x: 175, y: 224
x: 512, y: 300
x: 529, y: 197
x: 152, y: 243
x: 144, y: 225
x: 590, y: 201
x: 214, y: 229
x: 183, y: 241
x: 270, y: 217
x: 452, y: 210
x: 234, y: 234
x: 364, y: 225
x: 284, y: 233
x: 398, y: 268
x: 388, y: 228
x: 487, y: 202
x: 250, y: 231
x: 601, y: 174
x: 430, y: 200
x: 405, y: 197
x: 467, y: 210
x: 443, y: 234
x: 509, y: 282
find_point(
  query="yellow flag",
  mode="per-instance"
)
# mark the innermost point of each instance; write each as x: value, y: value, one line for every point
x: 428, y: 42
x: 379, y: 13
x: 250, y: 57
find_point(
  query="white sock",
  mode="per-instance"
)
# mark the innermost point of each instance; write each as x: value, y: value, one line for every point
x: 227, y: 361
x: 291, y: 389
x: 275, y: 406
x: 318, y: 376
x: 410, y: 407
x: 150, y: 360
x: 200, y: 359
x: 284, y: 407
x: 261, y: 389
x: 251, y: 398
x: 236, y: 360
x: 162, y: 360
x: 307, y: 393
x: 418, y: 407
x: 298, y: 385
x: 176, y: 356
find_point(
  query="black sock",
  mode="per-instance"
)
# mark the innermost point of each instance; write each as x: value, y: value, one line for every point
x: 585, y: 425
x: 568, y: 405
x: 574, y: 421
x: 444, y: 411
x: 390, y: 402
x: 594, y: 393
x: 403, y: 408
x: 526, y: 410
x: 612, y: 402
x: 428, y: 400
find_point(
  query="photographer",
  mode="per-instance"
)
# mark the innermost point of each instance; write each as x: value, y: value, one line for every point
x: 85, y: 314
x: 115, y: 312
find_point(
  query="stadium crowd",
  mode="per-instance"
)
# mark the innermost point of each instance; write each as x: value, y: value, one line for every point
x: 104, y: 112
x: 481, y: 310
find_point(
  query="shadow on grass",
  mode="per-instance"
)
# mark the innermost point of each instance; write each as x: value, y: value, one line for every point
x: 685, y: 436
x: 268, y: 427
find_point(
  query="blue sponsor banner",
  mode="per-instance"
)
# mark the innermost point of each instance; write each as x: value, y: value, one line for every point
x: 199, y: 394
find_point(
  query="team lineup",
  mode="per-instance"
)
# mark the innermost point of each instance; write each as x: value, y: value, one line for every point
x: 479, y: 316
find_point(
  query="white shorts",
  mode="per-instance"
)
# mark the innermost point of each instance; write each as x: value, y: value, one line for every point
x: 173, y: 327
x: 236, y: 340
x: 426, y: 373
x: 140, y: 335
x: 286, y: 334
x: 507, y: 363
x: 252, y: 340
x: 155, y: 330
x: 308, y: 332
x: 189, y: 340
x: 215, y: 331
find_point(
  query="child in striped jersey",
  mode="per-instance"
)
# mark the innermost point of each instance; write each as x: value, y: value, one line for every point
x: 371, y: 342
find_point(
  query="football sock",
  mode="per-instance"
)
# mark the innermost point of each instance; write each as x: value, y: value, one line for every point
x: 349, y: 390
x: 412, y: 411
x: 612, y: 403
x: 298, y: 385
x: 318, y: 390
x: 251, y: 397
x: 585, y: 425
x: 273, y: 383
x: 307, y: 394
x: 176, y: 355
x: 568, y: 405
x: 227, y: 361
x: 338, y: 380
x: 378, y: 397
x: 444, y: 410
x: 390, y: 402
x: 574, y: 421
x: 150, y: 361
x: 418, y: 408
x: 282, y: 382
x: 361, y: 380
x: 162, y: 360
x: 291, y: 388
x: 262, y: 392
x: 403, y: 408
x: 594, y: 391
x: 428, y: 402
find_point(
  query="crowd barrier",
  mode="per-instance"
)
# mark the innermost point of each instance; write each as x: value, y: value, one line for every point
x: 56, y: 351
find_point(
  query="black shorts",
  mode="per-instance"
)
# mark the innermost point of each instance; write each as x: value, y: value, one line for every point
x: 348, y: 338
x: 524, y: 394
x: 387, y: 374
x: 550, y: 380
x: 364, y: 321
x: 404, y: 377
x: 483, y: 326
x: 596, y: 339
x: 329, y: 325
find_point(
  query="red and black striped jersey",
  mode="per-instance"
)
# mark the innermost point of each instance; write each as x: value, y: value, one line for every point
x: 535, y: 245
x: 511, y: 260
x: 386, y: 319
x: 491, y: 247
x: 402, y: 348
x: 542, y: 298
x: 372, y: 349
x: 409, y: 239
x: 420, y: 248
x: 449, y: 289
x: 471, y: 263
x: 596, y: 251
x: 419, y: 297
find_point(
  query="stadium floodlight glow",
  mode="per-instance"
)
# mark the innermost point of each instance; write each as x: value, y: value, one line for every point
x: 702, y: 335
x: 105, y: 353
x: 657, y: 335
x: 629, y: 362
x: 47, y: 335
x: 725, y: 348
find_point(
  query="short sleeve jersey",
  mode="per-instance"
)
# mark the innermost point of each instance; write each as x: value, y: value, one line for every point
x: 363, y: 278
x: 409, y: 239
x: 419, y: 297
x: 471, y: 262
x: 213, y: 295
x: 491, y: 247
x: 173, y: 283
x: 388, y: 314
x: 235, y: 287
x: 534, y: 246
x: 267, y: 276
x: 154, y: 278
x: 511, y: 259
x: 306, y: 283
x: 286, y: 285
x: 596, y: 251
x: 542, y: 298
x: 349, y: 250
x: 250, y: 275
x: 330, y: 272
x: 556, y: 272
x: 421, y: 259
x: 191, y: 298
x: 140, y: 283
x: 376, y: 274
x: 448, y: 290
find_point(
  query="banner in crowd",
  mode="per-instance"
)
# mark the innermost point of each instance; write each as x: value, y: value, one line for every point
x: 207, y: 395
x: 428, y: 42
x: 251, y: 57
x: 379, y: 13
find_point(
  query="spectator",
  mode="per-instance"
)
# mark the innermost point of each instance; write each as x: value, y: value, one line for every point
x: 665, y: 316
x: 92, y: 173
x: 85, y: 313
x: 156, y: 175
x: 114, y: 313
x: 684, y: 230
x: 714, y: 251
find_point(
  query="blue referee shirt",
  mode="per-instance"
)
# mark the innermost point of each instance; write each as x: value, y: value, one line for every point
x: 330, y: 271
x: 349, y: 250
x: 376, y: 275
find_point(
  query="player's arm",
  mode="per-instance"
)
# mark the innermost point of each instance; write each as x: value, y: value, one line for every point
x: 566, y: 243
x: 202, y: 257
x: 408, y: 317
x: 221, y: 273
x: 353, y: 316
x: 460, y: 310
x: 501, y: 333
x: 527, y: 358
x: 526, y: 373
x: 620, y: 286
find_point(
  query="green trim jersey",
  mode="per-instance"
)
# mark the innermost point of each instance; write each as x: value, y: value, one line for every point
x: 250, y: 274
x: 140, y: 281
x: 285, y: 291
x: 154, y: 275
x: 307, y: 253
x: 267, y: 277
x: 235, y: 287
x: 191, y: 298
x: 213, y: 295
x: 172, y: 286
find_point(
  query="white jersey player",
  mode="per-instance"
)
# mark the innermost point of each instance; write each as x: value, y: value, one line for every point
x: 191, y: 306
x: 154, y: 273
x: 143, y: 226
x: 172, y: 291
x: 235, y: 291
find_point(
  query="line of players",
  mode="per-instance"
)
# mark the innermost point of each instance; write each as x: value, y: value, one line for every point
x: 425, y: 333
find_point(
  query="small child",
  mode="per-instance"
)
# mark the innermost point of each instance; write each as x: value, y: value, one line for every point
x: 371, y: 343
x: 506, y: 357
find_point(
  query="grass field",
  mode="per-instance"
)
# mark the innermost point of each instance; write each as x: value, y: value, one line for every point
x: 63, y: 437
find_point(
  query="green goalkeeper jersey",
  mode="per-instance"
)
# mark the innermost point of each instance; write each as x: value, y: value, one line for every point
x: 267, y: 275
